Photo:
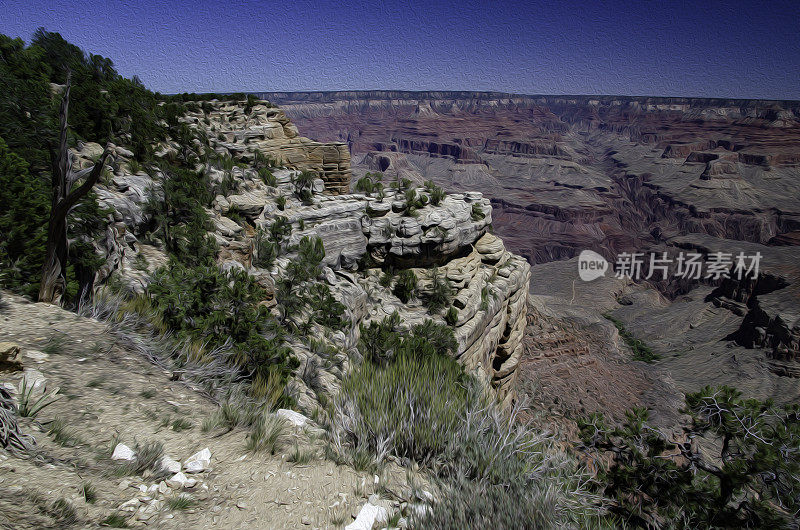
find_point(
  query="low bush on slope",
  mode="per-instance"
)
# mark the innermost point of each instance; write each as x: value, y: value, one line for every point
x: 409, y: 399
x: 208, y: 306
x: 736, y: 465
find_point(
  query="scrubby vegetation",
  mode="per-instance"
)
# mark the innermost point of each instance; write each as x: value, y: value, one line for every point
x: 435, y: 193
x: 405, y: 285
x: 414, y: 201
x: 439, y: 295
x: 477, y: 212
x: 203, y: 304
x: 736, y: 465
x: 641, y: 351
x: 410, y: 400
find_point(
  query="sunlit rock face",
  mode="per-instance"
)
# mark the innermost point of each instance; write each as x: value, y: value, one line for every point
x: 234, y: 128
x: 364, y: 236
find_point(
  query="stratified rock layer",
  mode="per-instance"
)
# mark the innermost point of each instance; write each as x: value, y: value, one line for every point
x: 364, y: 237
x: 231, y: 127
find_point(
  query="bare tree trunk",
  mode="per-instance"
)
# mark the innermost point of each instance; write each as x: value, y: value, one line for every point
x: 54, y: 269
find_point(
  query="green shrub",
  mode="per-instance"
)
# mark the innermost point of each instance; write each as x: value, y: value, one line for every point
x: 477, y: 212
x: 280, y: 200
x: 451, y: 317
x: 307, y: 265
x: 641, y: 351
x: 115, y: 520
x: 365, y: 185
x: 303, y: 184
x: 744, y: 475
x: 263, y: 161
x: 466, y: 503
x: 381, y: 341
x: 440, y: 293
x: 268, y: 434
x: 222, y: 310
x: 23, y: 222
x: 181, y: 502
x: 414, y: 202
x: 280, y: 229
x: 387, y: 277
x: 484, y: 298
x: 134, y: 166
x: 436, y: 193
x: 235, y: 214
x: 405, y: 287
x: 32, y: 400
x: 265, y: 250
x: 413, y: 403
x: 419, y: 405
x: 267, y: 176
x: 299, y: 295
x: 324, y: 309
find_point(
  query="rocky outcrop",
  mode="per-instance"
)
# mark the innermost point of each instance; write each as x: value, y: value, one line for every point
x: 234, y: 128
x: 489, y: 283
x: 364, y: 236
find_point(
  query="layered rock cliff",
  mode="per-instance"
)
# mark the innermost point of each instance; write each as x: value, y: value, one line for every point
x: 364, y: 237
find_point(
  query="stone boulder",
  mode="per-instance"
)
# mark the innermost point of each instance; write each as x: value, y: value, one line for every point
x: 10, y: 357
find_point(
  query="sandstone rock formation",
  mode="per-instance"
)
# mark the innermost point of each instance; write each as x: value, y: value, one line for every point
x: 363, y: 235
x: 231, y: 127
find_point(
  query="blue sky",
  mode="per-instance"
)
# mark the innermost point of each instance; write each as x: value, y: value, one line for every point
x: 733, y: 49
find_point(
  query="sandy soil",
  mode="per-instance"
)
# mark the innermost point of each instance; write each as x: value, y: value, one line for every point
x: 112, y: 396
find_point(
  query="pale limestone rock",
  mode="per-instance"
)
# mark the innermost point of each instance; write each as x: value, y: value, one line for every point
x: 129, y: 506
x: 226, y: 226
x: 250, y: 204
x: 368, y: 517
x: 295, y: 418
x: 198, y: 462
x: 123, y: 452
x: 170, y: 464
x: 177, y: 481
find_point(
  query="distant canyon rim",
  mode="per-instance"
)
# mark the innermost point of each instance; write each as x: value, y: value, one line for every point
x: 611, y: 174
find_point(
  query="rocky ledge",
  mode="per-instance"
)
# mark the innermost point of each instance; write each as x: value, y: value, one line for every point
x: 365, y: 237
x: 243, y: 130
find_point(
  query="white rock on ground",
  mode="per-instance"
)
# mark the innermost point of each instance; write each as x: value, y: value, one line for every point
x: 129, y: 506
x: 179, y: 480
x: 123, y: 452
x: 368, y: 516
x: 170, y: 464
x: 198, y: 462
x: 295, y: 418
x: 33, y: 379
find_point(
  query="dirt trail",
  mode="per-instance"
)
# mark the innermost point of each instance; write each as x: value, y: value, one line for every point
x: 111, y: 396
